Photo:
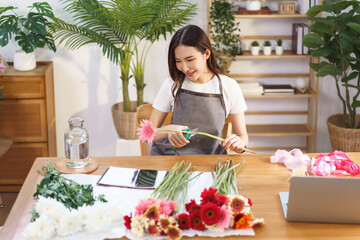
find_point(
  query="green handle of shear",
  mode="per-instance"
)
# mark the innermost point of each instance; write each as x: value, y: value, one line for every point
x: 187, y: 135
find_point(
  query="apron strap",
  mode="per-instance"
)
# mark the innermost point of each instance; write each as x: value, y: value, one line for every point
x: 221, y: 94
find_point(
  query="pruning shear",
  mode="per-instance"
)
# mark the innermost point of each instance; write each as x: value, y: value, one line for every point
x: 190, y: 134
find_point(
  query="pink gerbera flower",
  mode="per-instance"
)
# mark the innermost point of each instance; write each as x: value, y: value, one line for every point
x: 225, y: 217
x: 146, y: 132
x: 143, y: 205
x: 2, y: 68
x: 167, y: 207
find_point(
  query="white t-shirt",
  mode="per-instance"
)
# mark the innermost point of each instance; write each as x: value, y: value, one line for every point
x: 233, y: 98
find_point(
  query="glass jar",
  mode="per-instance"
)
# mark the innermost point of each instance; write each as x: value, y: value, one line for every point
x: 76, y: 140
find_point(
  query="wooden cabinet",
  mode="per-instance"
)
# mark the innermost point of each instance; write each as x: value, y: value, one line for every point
x: 27, y: 115
x: 306, y: 131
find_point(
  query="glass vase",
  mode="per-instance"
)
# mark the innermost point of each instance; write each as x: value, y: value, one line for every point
x: 76, y: 140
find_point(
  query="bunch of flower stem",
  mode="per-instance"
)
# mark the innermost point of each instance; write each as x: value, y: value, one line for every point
x: 225, y: 179
x: 176, y: 181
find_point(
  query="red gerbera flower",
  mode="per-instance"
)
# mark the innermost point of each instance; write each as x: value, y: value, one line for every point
x: 250, y: 202
x: 196, y: 222
x: 222, y: 199
x: 210, y: 213
x: 192, y: 206
x: 183, y: 220
x: 210, y: 195
x: 127, y: 220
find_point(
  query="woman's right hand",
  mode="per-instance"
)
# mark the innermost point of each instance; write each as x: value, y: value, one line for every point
x: 177, y: 139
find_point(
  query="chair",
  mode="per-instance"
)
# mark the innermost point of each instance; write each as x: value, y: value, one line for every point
x: 144, y: 112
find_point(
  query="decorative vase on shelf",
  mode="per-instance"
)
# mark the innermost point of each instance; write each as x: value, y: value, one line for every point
x: 24, y: 61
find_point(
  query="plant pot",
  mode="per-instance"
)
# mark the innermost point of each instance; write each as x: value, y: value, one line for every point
x: 267, y: 50
x: 125, y: 122
x: 24, y: 61
x: 279, y: 50
x: 343, y: 139
x: 255, y: 50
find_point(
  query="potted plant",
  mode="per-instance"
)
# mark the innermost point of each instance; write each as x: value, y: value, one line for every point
x: 255, y: 48
x: 279, y: 48
x: 335, y: 38
x: 224, y: 32
x: 267, y: 48
x: 30, y: 32
x: 118, y: 27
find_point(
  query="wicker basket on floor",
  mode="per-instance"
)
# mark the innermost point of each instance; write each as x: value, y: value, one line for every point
x: 344, y: 139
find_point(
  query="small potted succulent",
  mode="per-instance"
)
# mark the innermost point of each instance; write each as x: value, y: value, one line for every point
x: 255, y: 48
x: 279, y: 48
x: 267, y: 48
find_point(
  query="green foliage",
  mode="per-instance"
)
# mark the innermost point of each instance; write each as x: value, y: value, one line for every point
x: 223, y: 30
x: 68, y: 192
x: 30, y: 31
x: 117, y: 27
x: 255, y: 44
x: 279, y: 42
x: 267, y: 43
x: 336, y: 38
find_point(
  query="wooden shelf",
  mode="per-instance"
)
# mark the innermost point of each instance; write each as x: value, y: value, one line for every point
x: 274, y: 14
x: 262, y: 37
x: 269, y: 75
x: 276, y: 113
x: 311, y: 93
x: 287, y: 54
x: 268, y: 130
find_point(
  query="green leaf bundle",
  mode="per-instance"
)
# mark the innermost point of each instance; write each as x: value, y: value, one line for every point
x: 68, y: 192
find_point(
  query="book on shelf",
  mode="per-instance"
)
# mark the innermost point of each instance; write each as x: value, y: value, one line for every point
x: 278, y: 93
x: 252, y: 91
x: 297, y: 38
x: 250, y: 87
x: 278, y: 89
x: 305, y: 50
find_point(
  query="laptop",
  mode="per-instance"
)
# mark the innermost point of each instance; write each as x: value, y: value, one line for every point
x: 322, y: 199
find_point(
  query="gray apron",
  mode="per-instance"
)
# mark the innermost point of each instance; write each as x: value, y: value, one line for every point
x: 204, y: 111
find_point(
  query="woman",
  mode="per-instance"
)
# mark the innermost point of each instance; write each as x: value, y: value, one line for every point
x: 200, y: 96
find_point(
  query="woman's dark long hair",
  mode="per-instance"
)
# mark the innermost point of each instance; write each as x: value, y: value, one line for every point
x: 193, y: 36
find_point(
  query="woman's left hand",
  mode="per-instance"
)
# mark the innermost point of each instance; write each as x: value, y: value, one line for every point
x: 234, y: 142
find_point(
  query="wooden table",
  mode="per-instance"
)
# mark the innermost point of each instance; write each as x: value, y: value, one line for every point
x: 258, y: 179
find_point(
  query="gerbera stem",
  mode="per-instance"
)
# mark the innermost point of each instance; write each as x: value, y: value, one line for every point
x: 174, y: 183
x: 201, y: 133
x: 225, y: 180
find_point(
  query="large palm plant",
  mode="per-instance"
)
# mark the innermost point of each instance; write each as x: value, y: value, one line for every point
x: 117, y: 26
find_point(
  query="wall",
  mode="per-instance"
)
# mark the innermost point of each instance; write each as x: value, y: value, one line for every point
x: 87, y: 85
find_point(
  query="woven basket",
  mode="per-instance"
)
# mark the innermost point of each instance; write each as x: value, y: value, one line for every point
x: 343, y: 139
x: 125, y: 122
